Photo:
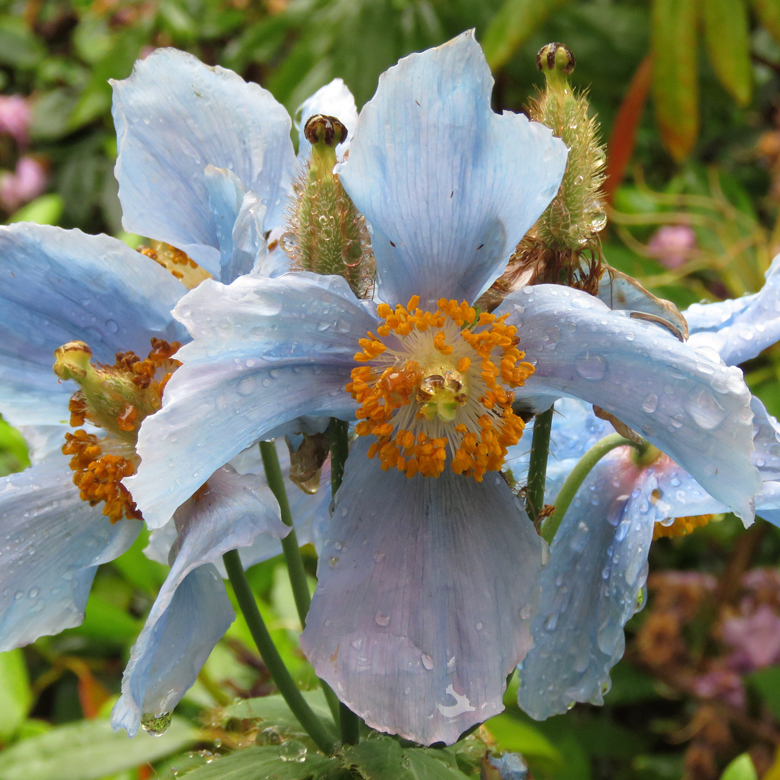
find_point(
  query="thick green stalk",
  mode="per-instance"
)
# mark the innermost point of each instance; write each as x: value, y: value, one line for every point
x: 537, y: 464
x: 577, y: 477
x: 339, y: 449
x: 292, y: 552
x: 271, y: 658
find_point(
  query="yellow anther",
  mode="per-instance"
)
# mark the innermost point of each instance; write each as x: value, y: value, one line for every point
x: 681, y: 526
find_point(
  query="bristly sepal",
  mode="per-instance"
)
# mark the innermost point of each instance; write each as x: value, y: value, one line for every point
x: 326, y: 234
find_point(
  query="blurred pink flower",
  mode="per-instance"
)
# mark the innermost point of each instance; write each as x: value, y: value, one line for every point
x: 27, y: 182
x: 721, y: 684
x: 15, y: 118
x: 671, y: 245
x: 755, y: 639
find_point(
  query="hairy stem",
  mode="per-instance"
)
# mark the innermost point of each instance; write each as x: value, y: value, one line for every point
x: 537, y: 464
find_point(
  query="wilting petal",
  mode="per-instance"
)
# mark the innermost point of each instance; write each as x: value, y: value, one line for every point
x: 448, y: 186
x: 266, y: 352
x: 52, y: 545
x: 740, y: 328
x: 597, y: 568
x: 426, y: 587
x: 192, y: 611
x: 694, y: 409
x: 174, y: 116
x: 63, y: 285
x: 333, y: 99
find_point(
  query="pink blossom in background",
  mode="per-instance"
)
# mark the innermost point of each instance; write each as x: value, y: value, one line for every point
x: 671, y: 245
x: 15, y: 118
x: 27, y: 182
x: 721, y: 684
x: 755, y: 639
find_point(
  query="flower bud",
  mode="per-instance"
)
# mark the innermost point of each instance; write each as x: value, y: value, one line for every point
x: 326, y: 233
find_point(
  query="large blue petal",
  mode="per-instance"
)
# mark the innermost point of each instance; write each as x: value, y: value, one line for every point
x: 192, y: 611
x: 597, y: 568
x: 693, y: 408
x: 426, y: 589
x: 741, y: 328
x: 448, y: 187
x: 52, y: 544
x: 174, y: 116
x: 333, y: 99
x: 63, y: 285
x: 265, y: 352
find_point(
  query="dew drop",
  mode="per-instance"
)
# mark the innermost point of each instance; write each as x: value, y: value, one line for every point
x: 479, y: 625
x: 590, y: 366
x: 293, y: 751
x: 650, y: 404
x: 246, y: 386
x: 112, y: 326
x: 382, y: 620
x: 33, y: 593
x: 156, y: 725
x: 427, y: 661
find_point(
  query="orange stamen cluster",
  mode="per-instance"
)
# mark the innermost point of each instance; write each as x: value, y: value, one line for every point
x: 98, y: 475
x: 436, y: 381
x: 681, y: 526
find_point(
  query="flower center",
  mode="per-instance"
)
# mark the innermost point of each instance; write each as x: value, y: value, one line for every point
x: 681, y: 526
x: 433, y: 382
x: 116, y: 399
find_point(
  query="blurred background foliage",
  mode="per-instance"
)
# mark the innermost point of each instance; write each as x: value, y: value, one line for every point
x: 687, y: 95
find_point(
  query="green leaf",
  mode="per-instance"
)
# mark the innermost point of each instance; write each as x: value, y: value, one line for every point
x: 514, y: 23
x: 767, y: 683
x: 675, y: 74
x: 107, y: 622
x: 50, y: 114
x: 768, y: 12
x: 273, y: 710
x: 19, y: 46
x: 741, y: 768
x: 384, y: 759
x: 516, y: 736
x: 264, y: 762
x: 15, y: 694
x: 45, y: 210
x: 89, y: 750
x: 727, y: 37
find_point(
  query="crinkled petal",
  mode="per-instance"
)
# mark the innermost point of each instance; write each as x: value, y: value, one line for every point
x: 266, y: 352
x: 53, y: 544
x: 426, y: 589
x: 63, y: 285
x: 693, y: 408
x: 192, y: 611
x: 597, y: 568
x: 448, y: 187
x: 739, y: 329
x: 174, y: 116
x: 333, y: 99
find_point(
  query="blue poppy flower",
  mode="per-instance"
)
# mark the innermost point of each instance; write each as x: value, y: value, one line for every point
x: 429, y: 572
x: 598, y: 560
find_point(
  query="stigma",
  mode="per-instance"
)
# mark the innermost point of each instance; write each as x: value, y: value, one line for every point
x: 435, y: 387
x: 115, y: 399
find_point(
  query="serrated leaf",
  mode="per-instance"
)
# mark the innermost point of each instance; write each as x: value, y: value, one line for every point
x: 741, y: 768
x: 516, y: 736
x: 514, y: 23
x: 384, y: 759
x: 89, y: 750
x: 768, y: 12
x: 675, y: 74
x: 273, y: 710
x: 15, y: 694
x: 728, y: 44
x: 264, y: 762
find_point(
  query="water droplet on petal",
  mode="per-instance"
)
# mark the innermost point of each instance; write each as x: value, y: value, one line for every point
x: 382, y: 620
x: 427, y: 661
x: 156, y: 725
x: 112, y: 326
x: 650, y: 404
x: 590, y: 366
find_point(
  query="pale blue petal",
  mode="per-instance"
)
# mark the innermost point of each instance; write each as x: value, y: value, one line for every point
x: 426, y: 589
x: 275, y: 262
x: 333, y: 99
x: 239, y: 220
x: 192, y: 611
x: 63, y: 285
x: 43, y: 440
x: 265, y: 352
x: 173, y: 117
x: 597, y: 568
x: 510, y: 766
x: 52, y: 544
x: 448, y: 187
x: 741, y: 328
x: 693, y: 408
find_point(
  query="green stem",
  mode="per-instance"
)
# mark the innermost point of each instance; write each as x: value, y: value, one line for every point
x: 292, y: 552
x: 537, y: 464
x: 339, y: 449
x: 577, y: 477
x: 271, y: 658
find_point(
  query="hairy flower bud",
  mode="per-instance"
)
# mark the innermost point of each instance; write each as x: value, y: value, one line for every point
x: 326, y: 233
